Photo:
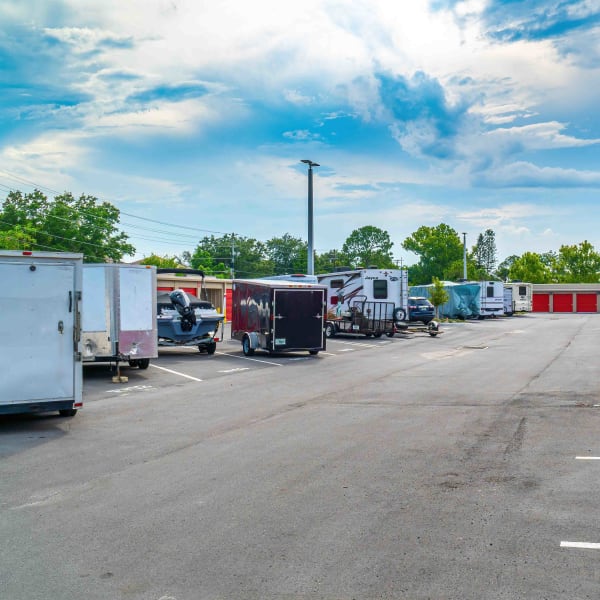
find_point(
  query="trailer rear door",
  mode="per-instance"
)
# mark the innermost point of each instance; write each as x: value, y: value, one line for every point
x: 39, y: 306
x: 298, y: 319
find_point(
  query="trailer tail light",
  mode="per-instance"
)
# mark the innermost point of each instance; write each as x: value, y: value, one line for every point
x: 77, y: 404
x: 27, y: 253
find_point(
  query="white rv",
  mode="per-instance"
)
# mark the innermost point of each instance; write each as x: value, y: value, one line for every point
x: 518, y: 297
x: 491, y: 299
x: 371, y: 285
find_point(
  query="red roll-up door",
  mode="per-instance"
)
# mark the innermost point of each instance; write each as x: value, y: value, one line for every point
x: 587, y: 303
x: 563, y: 303
x: 228, y: 308
x: 541, y: 302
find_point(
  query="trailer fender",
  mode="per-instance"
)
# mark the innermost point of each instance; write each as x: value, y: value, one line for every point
x: 250, y: 343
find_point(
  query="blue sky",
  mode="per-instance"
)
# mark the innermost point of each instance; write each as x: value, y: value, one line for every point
x: 195, y: 114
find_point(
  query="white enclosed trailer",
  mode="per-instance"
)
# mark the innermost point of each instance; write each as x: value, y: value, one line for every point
x: 119, y: 314
x: 371, y: 285
x: 40, y: 345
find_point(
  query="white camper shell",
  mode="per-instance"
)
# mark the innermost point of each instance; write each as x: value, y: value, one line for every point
x: 40, y: 352
x: 119, y: 314
x: 371, y: 285
x: 521, y: 297
x: 491, y: 299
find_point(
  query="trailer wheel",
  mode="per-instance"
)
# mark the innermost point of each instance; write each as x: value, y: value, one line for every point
x: 313, y: 352
x: 329, y: 330
x: 67, y: 412
x: 246, y: 349
x: 211, y: 348
x: 390, y: 333
x: 143, y: 363
x: 378, y: 334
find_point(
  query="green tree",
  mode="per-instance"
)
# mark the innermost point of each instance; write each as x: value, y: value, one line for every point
x: 369, y: 246
x: 438, y: 295
x: 484, y: 254
x: 162, y: 262
x: 244, y: 257
x: 440, y: 252
x: 202, y: 259
x: 329, y: 261
x: 66, y: 224
x: 287, y: 254
x: 578, y: 263
x: 504, y: 267
x: 531, y: 268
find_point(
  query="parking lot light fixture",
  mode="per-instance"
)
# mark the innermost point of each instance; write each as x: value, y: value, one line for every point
x: 310, y: 270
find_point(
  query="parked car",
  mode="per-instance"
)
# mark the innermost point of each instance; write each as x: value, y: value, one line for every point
x: 420, y: 309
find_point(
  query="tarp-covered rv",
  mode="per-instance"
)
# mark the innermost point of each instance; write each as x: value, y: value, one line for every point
x: 463, y: 301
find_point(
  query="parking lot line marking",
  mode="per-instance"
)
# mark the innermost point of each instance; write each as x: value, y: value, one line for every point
x: 586, y: 545
x: 248, y: 358
x: 587, y: 457
x: 175, y: 372
x: 328, y: 353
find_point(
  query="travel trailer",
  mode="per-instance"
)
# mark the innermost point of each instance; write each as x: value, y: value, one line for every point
x: 370, y: 285
x: 521, y: 297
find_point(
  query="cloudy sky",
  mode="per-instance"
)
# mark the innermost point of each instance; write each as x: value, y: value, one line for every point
x: 192, y: 116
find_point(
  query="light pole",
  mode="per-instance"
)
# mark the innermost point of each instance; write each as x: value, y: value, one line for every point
x: 311, y: 255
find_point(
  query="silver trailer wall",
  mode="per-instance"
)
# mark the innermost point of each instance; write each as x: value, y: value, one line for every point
x: 40, y: 349
x: 119, y: 312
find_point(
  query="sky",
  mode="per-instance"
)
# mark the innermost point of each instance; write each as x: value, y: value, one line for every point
x: 192, y: 117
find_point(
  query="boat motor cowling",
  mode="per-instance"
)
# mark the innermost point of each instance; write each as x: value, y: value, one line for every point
x: 184, y: 307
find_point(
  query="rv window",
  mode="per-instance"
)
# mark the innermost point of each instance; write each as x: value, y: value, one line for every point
x: 336, y: 284
x: 380, y: 291
x: 522, y: 290
x: 490, y: 291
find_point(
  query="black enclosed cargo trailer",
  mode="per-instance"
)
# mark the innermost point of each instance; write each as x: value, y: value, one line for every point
x: 278, y: 316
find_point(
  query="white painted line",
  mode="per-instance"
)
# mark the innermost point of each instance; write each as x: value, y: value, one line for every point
x: 236, y: 370
x: 175, y: 372
x: 586, y: 545
x: 253, y: 359
x: 587, y: 457
x: 328, y: 353
x: 347, y: 350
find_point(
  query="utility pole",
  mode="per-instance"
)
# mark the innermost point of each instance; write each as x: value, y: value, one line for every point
x: 464, y: 256
x: 232, y: 256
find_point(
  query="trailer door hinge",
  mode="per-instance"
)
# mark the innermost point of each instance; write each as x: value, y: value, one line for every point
x: 77, y: 356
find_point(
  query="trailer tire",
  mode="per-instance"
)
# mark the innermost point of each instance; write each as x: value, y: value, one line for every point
x: 390, y: 333
x: 211, y: 348
x: 67, y: 412
x: 378, y: 334
x: 246, y: 348
x: 399, y: 314
x: 329, y: 330
x: 313, y: 352
x: 143, y: 363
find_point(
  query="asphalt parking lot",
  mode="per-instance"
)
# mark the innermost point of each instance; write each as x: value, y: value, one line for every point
x: 178, y: 364
x: 465, y: 466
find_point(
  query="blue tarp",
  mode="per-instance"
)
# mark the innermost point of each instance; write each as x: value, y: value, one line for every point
x: 464, y: 301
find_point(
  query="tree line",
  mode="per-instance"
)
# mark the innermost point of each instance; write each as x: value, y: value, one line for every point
x: 31, y: 221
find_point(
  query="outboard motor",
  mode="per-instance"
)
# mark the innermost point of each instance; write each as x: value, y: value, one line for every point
x: 184, y: 307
